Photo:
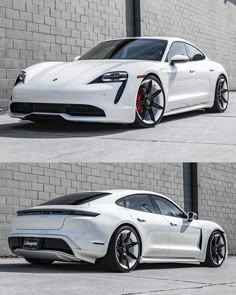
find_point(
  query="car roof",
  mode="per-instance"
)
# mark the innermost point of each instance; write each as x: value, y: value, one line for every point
x: 170, y: 39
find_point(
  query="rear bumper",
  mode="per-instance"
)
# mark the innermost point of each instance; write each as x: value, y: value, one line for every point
x: 68, y: 251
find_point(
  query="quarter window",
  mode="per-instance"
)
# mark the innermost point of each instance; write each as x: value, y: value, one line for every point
x: 167, y: 208
x: 194, y: 54
x: 140, y: 203
x: 177, y: 48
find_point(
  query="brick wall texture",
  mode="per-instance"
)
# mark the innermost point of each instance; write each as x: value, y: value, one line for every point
x: 26, y: 185
x: 217, y: 197
x: 211, y: 25
x: 33, y: 31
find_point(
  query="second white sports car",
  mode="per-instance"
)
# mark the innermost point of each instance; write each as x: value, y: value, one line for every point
x: 117, y: 228
x: 133, y: 80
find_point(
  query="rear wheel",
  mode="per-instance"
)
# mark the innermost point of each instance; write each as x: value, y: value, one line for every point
x: 221, y: 95
x: 216, y: 250
x: 124, y: 250
x: 150, y: 103
x: 39, y: 261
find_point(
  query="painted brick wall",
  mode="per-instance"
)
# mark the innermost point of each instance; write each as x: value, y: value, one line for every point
x: 26, y: 185
x: 217, y: 201
x: 33, y: 31
x: 209, y: 24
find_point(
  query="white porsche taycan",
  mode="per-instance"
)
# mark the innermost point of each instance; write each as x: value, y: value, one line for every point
x: 119, y: 228
x: 133, y: 80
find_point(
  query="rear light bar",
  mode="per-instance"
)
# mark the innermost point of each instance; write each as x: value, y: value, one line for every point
x: 56, y: 212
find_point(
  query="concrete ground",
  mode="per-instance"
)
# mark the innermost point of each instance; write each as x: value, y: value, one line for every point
x: 19, y: 278
x: 197, y: 136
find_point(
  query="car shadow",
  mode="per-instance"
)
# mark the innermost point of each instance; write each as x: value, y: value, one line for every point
x: 80, y: 267
x: 63, y: 129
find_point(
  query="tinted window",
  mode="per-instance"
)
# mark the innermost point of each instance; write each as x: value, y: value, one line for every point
x: 121, y: 202
x: 194, y: 54
x: 177, y: 48
x: 167, y: 208
x: 76, y: 199
x: 140, y: 203
x: 139, y: 49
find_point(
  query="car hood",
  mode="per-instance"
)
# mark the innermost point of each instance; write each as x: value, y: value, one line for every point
x: 83, y: 71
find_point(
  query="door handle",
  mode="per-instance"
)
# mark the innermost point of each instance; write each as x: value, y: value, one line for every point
x: 141, y: 220
x: 212, y: 70
x: 192, y: 71
x: 173, y: 224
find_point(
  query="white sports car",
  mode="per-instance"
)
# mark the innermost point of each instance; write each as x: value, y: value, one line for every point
x: 119, y: 229
x: 133, y: 80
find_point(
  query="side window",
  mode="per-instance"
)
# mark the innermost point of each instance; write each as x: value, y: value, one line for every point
x: 140, y: 203
x: 121, y: 202
x: 167, y: 208
x: 194, y: 54
x: 177, y: 48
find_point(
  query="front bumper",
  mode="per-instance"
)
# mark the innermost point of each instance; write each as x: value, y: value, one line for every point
x: 99, y: 97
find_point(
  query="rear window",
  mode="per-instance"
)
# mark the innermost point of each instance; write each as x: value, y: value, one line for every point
x: 76, y: 199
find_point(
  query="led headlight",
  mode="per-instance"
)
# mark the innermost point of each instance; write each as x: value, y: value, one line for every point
x: 115, y: 77
x: 21, y: 78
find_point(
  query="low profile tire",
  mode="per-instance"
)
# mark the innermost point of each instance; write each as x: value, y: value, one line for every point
x: 216, y: 250
x: 150, y: 103
x: 124, y: 250
x: 221, y: 96
x: 38, y: 261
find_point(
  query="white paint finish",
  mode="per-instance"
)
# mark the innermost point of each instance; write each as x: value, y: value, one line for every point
x: 161, y: 242
x: 188, y: 86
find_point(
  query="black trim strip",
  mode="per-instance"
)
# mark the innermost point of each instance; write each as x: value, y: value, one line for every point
x: 55, y: 212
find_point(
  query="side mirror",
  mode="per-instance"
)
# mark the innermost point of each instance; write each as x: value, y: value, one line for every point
x: 76, y: 58
x: 191, y: 216
x: 177, y: 59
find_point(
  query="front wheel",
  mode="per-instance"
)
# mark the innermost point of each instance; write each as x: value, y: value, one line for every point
x: 124, y: 250
x: 38, y: 261
x: 221, y: 96
x: 216, y: 250
x: 150, y: 103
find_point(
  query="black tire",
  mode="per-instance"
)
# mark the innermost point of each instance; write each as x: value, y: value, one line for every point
x: 148, y: 108
x: 112, y: 259
x: 221, y: 101
x: 211, y: 256
x: 39, y: 261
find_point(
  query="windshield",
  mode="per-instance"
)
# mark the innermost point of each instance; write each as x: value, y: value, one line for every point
x: 138, y: 49
x: 76, y: 199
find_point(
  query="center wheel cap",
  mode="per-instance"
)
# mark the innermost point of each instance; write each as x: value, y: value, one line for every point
x: 148, y: 102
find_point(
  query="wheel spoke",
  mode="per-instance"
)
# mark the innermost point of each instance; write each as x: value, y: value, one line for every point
x: 142, y: 91
x: 144, y: 113
x: 151, y: 115
x: 141, y: 103
x: 149, y: 87
x: 224, y: 99
x: 127, y: 238
x: 157, y: 106
x: 131, y: 245
x: 131, y: 255
x: 221, y: 246
x: 158, y: 92
x: 221, y: 255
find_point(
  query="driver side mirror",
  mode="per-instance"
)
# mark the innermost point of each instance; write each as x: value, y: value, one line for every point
x: 76, y: 58
x: 177, y: 59
x: 192, y: 216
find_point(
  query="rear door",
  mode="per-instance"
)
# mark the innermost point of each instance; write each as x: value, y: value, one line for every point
x: 185, y: 236
x: 154, y: 227
x: 202, y: 71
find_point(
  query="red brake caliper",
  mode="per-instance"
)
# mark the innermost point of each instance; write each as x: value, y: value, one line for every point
x: 139, y: 98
